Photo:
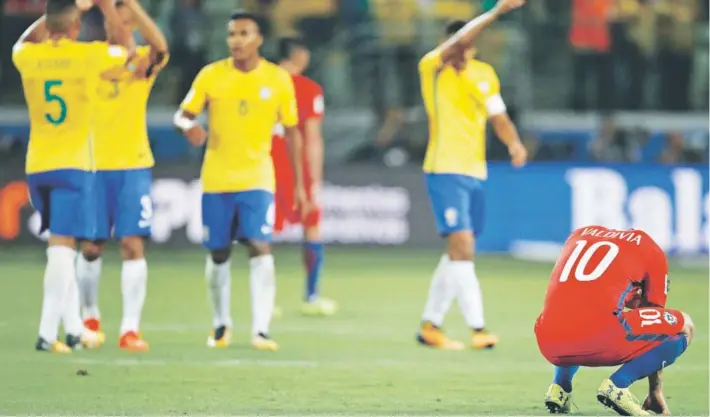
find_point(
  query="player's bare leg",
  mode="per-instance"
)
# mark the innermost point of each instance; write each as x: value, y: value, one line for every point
x: 461, y: 267
x: 219, y: 288
x: 61, y: 300
x: 134, y: 282
x: 262, y: 282
x: 88, y: 272
x: 315, y: 305
x: 614, y: 392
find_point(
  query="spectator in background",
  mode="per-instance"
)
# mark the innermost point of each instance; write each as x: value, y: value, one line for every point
x: 680, y: 150
x: 632, y: 43
x: 615, y: 144
x: 590, y: 39
x: 188, y: 25
x: 675, y: 52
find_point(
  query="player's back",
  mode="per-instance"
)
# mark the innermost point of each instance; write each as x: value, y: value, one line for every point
x: 456, y: 105
x: 596, y: 270
x: 121, y: 132
x: 60, y: 79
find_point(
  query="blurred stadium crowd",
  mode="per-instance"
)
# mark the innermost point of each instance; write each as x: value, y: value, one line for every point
x: 603, y: 56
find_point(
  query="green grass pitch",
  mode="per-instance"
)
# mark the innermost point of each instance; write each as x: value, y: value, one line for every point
x: 364, y: 361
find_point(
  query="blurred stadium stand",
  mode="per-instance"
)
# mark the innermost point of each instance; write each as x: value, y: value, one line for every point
x: 589, y: 82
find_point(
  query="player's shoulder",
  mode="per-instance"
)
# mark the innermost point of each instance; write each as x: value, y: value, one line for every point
x: 483, y: 68
x: 306, y: 83
x: 214, y: 69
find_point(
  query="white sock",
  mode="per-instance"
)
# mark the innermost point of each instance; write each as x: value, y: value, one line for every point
x: 88, y: 274
x: 441, y: 293
x: 134, y: 283
x: 58, y: 275
x: 71, y: 312
x: 219, y: 288
x: 468, y: 292
x: 262, y: 279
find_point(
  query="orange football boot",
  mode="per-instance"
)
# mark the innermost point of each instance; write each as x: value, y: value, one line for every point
x: 92, y: 324
x: 431, y: 335
x: 132, y: 342
x: 481, y: 339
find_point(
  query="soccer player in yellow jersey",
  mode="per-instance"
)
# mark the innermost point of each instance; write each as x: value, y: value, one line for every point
x: 460, y: 95
x: 247, y: 96
x: 123, y: 178
x: 60, y: 77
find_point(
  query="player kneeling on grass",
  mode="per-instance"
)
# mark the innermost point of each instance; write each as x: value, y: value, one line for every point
x: 605, y: 306
x: 123, y: 180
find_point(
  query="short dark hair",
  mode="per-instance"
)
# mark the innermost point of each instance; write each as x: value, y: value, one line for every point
x: 120, y: 3
x: 56, y: 11
x: 288, y: 45
x: 454, y: 26
x: 244, y: 15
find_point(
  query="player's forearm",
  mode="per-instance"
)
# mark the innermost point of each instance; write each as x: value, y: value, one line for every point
x: 468, y: 34
x: 36, y: 32
x: 505, y: 129
x: 148, y: 29
x: 655, y: 384
x: 117, y: 31
x: 315, y: 156
x: 295, y: 150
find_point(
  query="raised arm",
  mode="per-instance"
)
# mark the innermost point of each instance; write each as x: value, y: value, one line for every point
x: 150, y: 32
x: 35, y: 33
x: 117, y: 31
x: 469, y: 33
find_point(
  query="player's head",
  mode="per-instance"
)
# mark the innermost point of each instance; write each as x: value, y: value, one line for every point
x: 464, y: 54
x: 127, y: 17
x: 295, y: 53
x: 244, y: 36
x: 63, y: 18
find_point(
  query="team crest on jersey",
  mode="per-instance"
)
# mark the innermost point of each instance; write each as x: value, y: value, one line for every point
x: 670, y: 318
x: 265, y: 93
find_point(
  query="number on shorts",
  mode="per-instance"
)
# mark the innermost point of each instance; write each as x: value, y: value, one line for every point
x: 649, y: 316
x: 598, y: 271
x: 146, y: 211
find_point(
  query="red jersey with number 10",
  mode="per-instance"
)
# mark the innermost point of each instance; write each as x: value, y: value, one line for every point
x: 596, y: 271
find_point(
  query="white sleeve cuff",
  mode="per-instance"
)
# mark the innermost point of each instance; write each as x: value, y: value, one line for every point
x: 495, y: 105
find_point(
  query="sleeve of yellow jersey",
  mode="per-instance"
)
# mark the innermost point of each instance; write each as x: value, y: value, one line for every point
x: 19, y: 52
x: 107, y: 57
x: 288, y: 109
x: 490, y: 87
x: 196, y: 98
x: 430, y: 62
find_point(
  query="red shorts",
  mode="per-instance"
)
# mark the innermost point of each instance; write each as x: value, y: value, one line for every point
x: 284, y: 197
x: 621, y: 340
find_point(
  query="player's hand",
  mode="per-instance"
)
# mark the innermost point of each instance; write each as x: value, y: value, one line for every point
x: 104, y: 4
x: 197, y: 135
x: 518, y: 154
x: 505, y: 6
x: 84, y: 5
x: 301, y: 202
x: 656, y: 403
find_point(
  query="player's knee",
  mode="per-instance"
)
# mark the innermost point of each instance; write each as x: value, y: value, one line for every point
x: 257, y: 248
x: 91, y: 251
x: 132, y: 248
x: 688, y: 328
x: 460, y: 246
x: 220, y: 256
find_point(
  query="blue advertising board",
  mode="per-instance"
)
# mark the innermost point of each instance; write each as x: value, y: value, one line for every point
x: 538, y: 206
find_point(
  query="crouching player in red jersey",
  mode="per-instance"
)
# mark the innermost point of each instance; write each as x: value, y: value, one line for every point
x: 605, y: 306
x: 294, y: 58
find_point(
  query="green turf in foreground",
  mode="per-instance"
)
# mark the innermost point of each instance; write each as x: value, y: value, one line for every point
x: 362, y: 362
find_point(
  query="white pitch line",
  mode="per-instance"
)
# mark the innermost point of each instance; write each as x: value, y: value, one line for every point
x: 220, y: 363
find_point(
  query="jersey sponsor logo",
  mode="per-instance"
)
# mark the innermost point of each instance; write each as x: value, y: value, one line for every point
x: 670, y: 318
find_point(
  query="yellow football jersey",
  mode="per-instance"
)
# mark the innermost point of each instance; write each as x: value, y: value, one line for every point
x: 243, y: 109
x: 60, y: 80
x: 121, y: 134
x: 458, y: 108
